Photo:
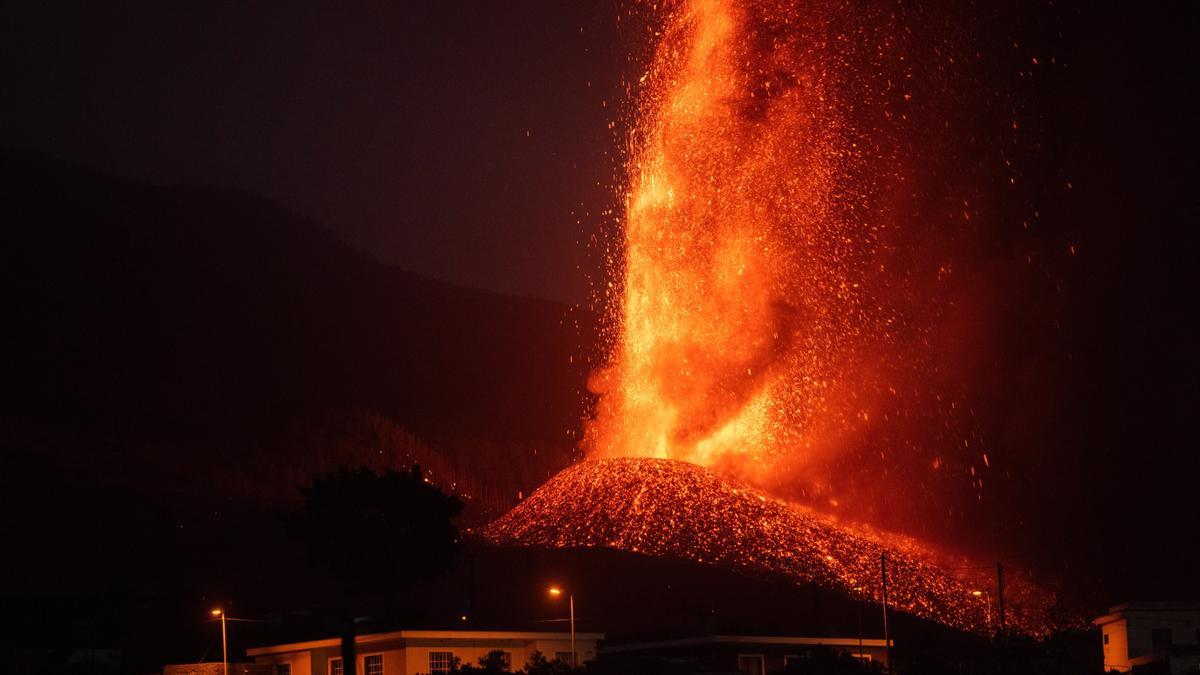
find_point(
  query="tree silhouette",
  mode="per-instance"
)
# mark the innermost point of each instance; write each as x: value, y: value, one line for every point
x: 407, y: 520
x: 540, y: 665
x: 495, y: 661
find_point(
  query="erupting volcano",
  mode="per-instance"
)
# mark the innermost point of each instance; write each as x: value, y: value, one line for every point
x: 771, y: 311
x: 672, y: 508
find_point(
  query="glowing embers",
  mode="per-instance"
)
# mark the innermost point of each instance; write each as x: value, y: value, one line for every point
x: 741, y: 313
x: 671, y: 508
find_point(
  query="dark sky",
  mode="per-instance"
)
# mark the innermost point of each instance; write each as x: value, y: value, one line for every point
x: 461, y: 141
x: 470, y: 141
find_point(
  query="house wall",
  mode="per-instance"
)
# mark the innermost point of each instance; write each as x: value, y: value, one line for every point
x: 319, y: 658
x: 470, y: 651
x: 410, y: 656
x: 1116, y: 650
x: 1141, y: 625
x: 418, y: 653
x: 723, y: 656
x: 301, y: 662
x: 775, y: 656
x: 586, y: 648
x: 1131, y: 637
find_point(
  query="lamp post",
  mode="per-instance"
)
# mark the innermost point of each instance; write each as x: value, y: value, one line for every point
x: 987, y: 600
x: 887, y: 641
x: 858, y: 614
x: 556, y: 591
x: 224, y: 643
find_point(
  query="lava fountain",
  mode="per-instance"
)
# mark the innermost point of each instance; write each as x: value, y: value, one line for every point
x: 767, y: 313
x: 745, y: 308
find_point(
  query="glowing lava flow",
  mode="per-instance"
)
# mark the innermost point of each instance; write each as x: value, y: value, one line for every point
x: 742, y: 310
x: 671, y: 508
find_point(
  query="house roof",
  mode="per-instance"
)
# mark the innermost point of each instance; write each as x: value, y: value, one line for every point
x: 1120, y: 612
x: 744, y: 640
x: 419, y: 635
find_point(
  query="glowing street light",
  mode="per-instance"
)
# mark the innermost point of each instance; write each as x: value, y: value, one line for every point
x: 556, y: 592
x: 220, y: 613
x: 987, y: 599
x: 224, y: 643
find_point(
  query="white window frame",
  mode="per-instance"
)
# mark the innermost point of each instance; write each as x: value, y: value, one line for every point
x: 438, y: 651
x: 329, y: 665
x: 362, y: 662
x: 282, y: 664
x: 574, y: 657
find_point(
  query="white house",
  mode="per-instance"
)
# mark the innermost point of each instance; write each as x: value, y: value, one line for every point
x: 410, y: 652
x: 1138, y: 633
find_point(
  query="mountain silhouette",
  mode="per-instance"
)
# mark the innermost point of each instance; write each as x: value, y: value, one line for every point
x: 202, y: 339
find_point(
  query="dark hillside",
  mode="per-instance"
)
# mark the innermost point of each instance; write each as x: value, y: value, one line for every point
x: 207, y: 311
x: 177, y: 360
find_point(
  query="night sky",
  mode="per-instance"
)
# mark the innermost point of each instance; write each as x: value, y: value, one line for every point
x: 463, y: 141
x: 471, y: 141
x: 480, y: 143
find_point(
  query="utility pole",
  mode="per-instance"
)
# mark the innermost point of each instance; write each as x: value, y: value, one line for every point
x: 887, y: 642
x: 1000, y: 592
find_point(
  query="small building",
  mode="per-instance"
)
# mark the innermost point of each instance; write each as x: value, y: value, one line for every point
x: 411, y: 652
x: 748, y: 654
x: 1141, y: 633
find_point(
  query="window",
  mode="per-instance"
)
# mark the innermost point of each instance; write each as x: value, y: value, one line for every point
x: 373, y: 664
x: 283, y: 669
x: 440, y: 662
x: 565, y: 657
x: 750, y: 664
x: 506, y: 661
x: 335, y: 666
x: 1106, y: 638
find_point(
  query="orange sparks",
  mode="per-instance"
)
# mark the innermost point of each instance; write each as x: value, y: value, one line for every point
x: 742, y: 296
x: 668, y: 508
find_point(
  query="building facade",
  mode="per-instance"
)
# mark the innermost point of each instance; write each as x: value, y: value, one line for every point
x: 1141, y: 633
x: 410, y: 652
x: 747, y: 654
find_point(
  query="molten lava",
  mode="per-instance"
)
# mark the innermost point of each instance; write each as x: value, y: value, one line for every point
x: 744, y: 310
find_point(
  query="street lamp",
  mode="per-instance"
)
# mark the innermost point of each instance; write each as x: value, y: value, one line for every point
x: 987, y: 600
x: 224, y: 643
x: 556, y: 592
